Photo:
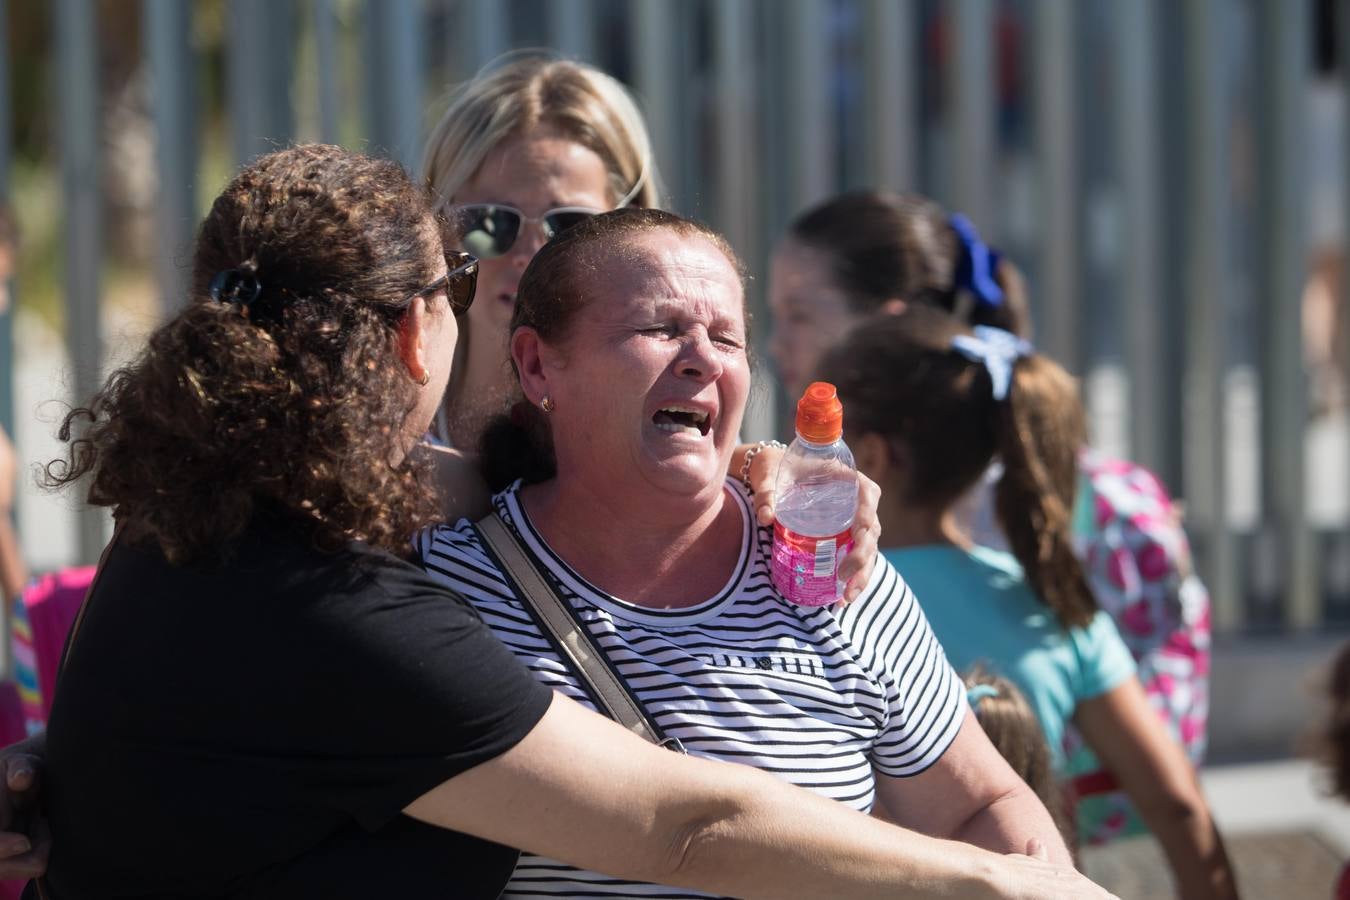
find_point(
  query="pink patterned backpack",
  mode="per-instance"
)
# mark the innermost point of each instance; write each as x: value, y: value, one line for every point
x: 1138, y: 561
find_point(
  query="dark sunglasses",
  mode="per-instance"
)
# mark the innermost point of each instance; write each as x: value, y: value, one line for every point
x: 459, y: 282
x: 490, y: 229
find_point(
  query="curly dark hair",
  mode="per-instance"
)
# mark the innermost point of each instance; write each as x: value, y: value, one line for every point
x: 293, y: 402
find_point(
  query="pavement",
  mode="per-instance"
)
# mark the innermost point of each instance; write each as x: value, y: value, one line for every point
x: 1286, y: 838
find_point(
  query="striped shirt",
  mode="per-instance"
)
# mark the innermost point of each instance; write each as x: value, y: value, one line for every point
x: 820, y: 698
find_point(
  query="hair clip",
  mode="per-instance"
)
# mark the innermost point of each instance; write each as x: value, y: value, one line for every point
x: 975, y: 270
x: 235, y: 286
x: 977, y: 692
x: 997, y: 350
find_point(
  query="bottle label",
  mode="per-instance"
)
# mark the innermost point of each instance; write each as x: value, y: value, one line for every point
x: 805, y: 569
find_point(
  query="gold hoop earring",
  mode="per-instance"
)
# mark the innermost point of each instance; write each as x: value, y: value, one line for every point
x: 425, y: 379
x: 546, y: 404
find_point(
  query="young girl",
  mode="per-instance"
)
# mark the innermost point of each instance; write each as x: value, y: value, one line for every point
x: 1011, y: 724
x: 865, y: 252
x: 930, y: 404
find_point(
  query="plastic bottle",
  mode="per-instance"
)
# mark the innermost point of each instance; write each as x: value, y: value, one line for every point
x: 815, y: 500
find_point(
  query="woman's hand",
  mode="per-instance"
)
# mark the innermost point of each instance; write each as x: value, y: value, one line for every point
x: 25, y: 840
x: 856, y: 568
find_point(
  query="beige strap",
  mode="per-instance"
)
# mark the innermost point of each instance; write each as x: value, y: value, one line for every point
x: 566, y: 634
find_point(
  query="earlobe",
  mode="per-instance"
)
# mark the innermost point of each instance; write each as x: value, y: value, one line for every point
x: 894, y: 306
x: 527, y: 352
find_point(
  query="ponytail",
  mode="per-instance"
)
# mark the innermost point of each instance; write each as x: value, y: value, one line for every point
x: 1039, y: 429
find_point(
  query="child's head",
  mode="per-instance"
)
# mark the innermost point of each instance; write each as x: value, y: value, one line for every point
x: 1332, y: 744
x: 871, y: 251
x: 1006, y: 716
x: 927, y: 415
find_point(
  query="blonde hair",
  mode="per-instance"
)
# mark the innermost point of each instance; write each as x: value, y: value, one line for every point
x: 519, y: 92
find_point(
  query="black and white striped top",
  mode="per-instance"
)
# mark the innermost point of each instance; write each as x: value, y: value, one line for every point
x: 816, y: 697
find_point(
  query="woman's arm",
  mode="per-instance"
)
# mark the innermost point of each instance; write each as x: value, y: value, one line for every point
x: 580, y: 788
x: 856, y: 569
x: 1125, y: 733
x: 971, y: 794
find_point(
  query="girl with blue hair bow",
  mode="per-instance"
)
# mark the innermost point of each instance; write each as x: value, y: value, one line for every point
x: 931, y: 402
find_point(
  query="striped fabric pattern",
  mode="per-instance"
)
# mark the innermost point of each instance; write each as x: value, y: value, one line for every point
x: 818, y: 698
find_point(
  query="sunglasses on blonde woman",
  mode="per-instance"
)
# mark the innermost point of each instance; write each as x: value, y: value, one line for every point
x: 490, y: 229
x: 459, y: 282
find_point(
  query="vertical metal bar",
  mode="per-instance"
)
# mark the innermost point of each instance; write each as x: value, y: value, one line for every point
x: 971, y: 77
x: 7, y: 360
x: 737, y: 195
x: 393, y: 78
x: 259, y: 78
x: 77, y: 103
x: 1136, y: 162
x: 1284, y: 48
x: 167, y: 24
x: 654, y: 37
x: 890, y: 93
x: 571, y: 24
x: 1342, y: 16
x: 326, y: 56
x: 1059, y: 329
x: 1206, y: 248
x: 808, y: 74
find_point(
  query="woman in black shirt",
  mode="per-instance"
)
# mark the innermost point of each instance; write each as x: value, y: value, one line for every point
x: 264, y: 698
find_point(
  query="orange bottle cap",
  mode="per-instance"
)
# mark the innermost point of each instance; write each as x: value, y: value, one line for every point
x: 820, y: 415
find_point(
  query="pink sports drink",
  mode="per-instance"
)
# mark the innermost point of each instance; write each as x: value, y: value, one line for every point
x: 815, y: 500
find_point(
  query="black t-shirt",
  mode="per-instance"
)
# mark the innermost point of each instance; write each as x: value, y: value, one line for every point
x: 254, y: 729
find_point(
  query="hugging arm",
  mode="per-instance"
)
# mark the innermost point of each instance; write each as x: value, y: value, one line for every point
x: 581, y: 789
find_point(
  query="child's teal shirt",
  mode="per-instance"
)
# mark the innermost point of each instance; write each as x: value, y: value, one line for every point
x: 982, y: 610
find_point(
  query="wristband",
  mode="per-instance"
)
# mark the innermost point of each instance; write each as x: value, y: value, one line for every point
x: 750, y: 458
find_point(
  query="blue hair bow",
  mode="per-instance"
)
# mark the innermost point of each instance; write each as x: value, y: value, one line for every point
x: 977, y: 692
x: 997, y: 350
x: 975, y: 270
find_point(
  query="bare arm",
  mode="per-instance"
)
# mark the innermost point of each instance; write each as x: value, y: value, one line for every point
x: 971, y: 794
x: 582, y: 789
x: 1125, y: 733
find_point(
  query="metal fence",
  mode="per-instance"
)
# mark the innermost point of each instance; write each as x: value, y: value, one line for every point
x: 1141, y: 159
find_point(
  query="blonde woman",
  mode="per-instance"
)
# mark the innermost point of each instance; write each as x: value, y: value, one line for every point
x: 523, y: 151
x: 533, y: 145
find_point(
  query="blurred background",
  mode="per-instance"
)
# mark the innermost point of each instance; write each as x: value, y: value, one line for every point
x: 1171, y: 175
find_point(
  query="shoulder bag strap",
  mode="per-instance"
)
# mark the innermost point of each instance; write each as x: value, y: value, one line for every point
x: 569, y: 635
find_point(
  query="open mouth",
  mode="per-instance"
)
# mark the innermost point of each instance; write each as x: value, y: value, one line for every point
x: 682, y: 420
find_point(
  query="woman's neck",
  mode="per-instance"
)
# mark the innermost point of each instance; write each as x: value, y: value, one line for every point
x: 481, y: 388
x: 662, y: 554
